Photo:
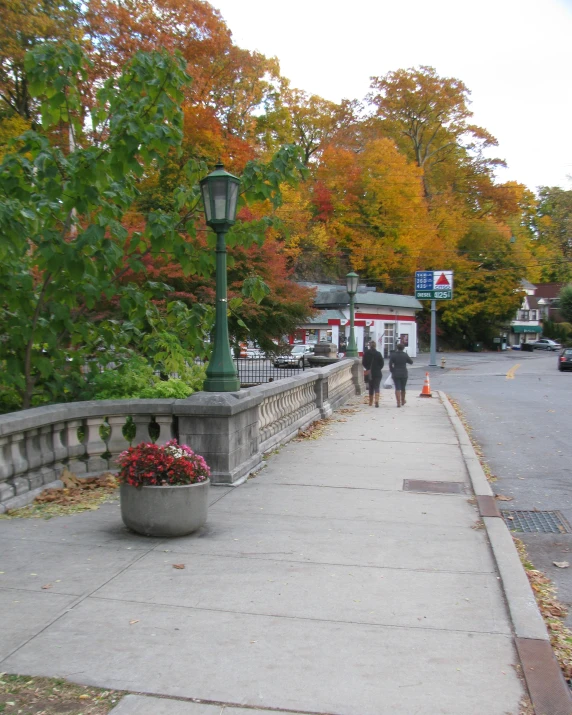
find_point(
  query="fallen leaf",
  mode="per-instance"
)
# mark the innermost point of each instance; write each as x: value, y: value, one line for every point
x: 178, y: 566
x: 84, y: 697
x: 48, y: 585
x: 136, y: 620
x: 561, y: 564
x: 502, y: 497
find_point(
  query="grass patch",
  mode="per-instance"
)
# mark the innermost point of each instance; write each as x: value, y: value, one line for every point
x: 75, y: 496
x: 25, y: 695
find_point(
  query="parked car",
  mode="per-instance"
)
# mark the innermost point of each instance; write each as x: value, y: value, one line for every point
x: 546, y: 344
x: 565, y: 359
x: 298, y: 357
x: 255, y: 354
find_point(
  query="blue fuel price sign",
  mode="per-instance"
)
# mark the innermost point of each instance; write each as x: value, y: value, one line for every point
x: 434, y: 285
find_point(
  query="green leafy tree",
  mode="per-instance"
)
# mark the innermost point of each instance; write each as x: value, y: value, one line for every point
x: 27, y: 24
x: 66, y: 247
x: 554, y: 233
x: 60, y: 215
x: 565, y: 303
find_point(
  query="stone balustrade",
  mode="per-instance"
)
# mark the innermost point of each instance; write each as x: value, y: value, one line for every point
x: 231, y: 430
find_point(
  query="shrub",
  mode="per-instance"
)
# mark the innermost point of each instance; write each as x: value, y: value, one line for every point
x: 135, y: 378
x: 122, y: 382
x: 149, y: 464
x: 174, y: 389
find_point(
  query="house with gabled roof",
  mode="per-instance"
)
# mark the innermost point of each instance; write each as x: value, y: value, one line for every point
x: 526, y: 327
x: 548, y: 294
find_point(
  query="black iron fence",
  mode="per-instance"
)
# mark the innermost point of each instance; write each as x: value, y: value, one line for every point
x: 258, y: 371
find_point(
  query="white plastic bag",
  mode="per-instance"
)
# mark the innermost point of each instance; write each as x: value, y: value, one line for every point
x: 388, y: 384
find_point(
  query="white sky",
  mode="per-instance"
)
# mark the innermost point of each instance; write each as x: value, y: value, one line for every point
x: 514, y: 55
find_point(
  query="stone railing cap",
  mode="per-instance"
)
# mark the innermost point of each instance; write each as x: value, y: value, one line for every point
x: 216, y: 403
x: 13, y: 422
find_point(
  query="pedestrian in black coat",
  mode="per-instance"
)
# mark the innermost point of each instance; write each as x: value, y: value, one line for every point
x: 373, y: 363
x: 398, y: 362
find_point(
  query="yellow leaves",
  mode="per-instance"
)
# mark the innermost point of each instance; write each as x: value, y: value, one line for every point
x: 318, y: 237
x: 397, y: 224
x: 10, y: 128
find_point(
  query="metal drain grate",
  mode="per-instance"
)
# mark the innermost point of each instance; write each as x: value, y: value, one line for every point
x: 539, y: 522
x: 421, y: 485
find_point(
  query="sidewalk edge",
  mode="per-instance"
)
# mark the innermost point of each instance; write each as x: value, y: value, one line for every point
x: 531, y: 636
x: 526, y: 618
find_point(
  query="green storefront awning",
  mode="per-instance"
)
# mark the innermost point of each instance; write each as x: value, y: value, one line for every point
x: 526, y: 329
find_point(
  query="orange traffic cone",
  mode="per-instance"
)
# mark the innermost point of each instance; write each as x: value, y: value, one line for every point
x: 426, y: 391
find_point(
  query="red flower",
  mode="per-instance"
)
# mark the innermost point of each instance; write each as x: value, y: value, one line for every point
x: 169, y: 464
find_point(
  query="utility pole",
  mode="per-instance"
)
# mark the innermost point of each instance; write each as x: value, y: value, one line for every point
x: 433, y: 355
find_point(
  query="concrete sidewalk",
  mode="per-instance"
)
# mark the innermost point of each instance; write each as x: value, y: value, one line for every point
x: 321, y: 585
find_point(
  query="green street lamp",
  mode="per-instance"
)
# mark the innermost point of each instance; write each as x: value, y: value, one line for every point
x: 220, y: 193
x: 352, y: 280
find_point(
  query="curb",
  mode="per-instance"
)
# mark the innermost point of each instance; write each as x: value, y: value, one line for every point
x: 548, y: 690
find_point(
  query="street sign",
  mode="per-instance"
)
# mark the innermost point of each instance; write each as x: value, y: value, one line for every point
x: 434, y: 285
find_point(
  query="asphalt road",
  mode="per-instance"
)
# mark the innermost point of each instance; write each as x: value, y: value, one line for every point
x: 520, y: 408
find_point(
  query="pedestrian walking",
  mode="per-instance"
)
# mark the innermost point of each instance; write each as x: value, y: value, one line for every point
x: 398, y: 362
x: 373, y: 365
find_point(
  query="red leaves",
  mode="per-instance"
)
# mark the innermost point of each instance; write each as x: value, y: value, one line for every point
x: 322, y: 198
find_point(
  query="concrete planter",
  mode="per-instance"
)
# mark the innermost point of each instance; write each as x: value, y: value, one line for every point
x: 166, y: 510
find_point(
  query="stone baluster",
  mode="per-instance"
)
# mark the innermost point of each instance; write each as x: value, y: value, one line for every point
x: 34, y: 458
x: 264, y: 419
x: 288, y: 406
x: 272, y: 405
x: 141, y: 423
x: 280, y: 411
x: 75, y: 447
x: 59, y: 447
x: 6, y: 471
x: 281, y: 405
x: 165, y: 423
x: 301, y: 402
x: 49, y: 471
x: 116, y: 442
x: 292, y: 406
x: 285, y: 406
x: 18, y: 457
x: 94, y: 445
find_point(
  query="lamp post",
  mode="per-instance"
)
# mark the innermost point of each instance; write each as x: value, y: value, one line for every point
x: 220, y: 193
x: 352, y: 280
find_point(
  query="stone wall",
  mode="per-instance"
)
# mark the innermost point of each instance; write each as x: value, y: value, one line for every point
x: 231, y: 430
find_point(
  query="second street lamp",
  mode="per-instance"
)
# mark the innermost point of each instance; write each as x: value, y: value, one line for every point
x: 220, y: 193
x: 352, y: 280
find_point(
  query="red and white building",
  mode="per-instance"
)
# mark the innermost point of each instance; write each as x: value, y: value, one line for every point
x: 384, y: 317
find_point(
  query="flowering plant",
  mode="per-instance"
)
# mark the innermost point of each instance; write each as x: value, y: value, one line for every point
x: 151, y: 465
